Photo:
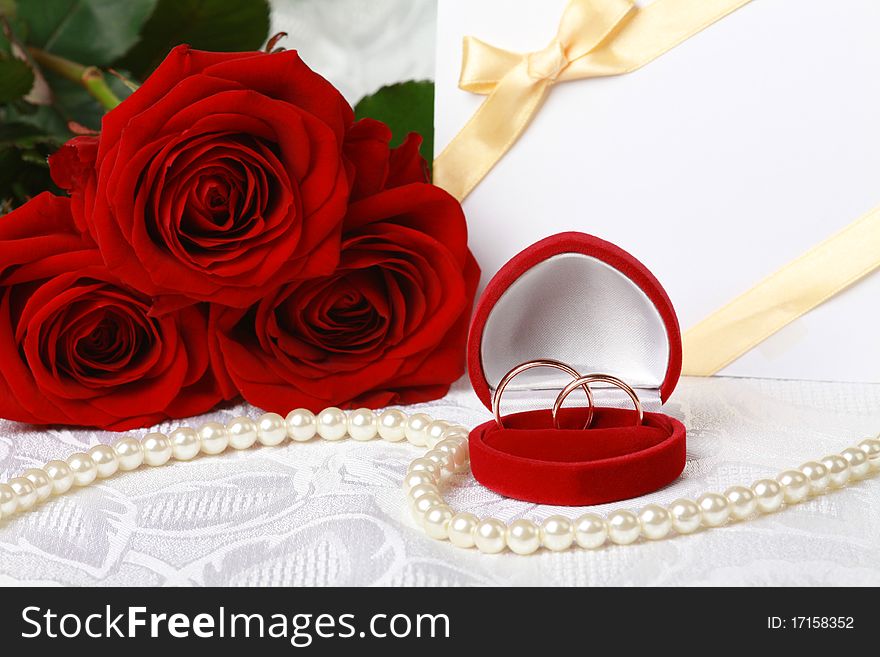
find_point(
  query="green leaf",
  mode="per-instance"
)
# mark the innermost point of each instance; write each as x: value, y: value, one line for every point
x: 405, y: 107
x: 217, y: 25
x: 44, y: 118
x: 70, y: 102
x: 24, y: 171
x: 16, y: 79
x: 94, y: 32
x: 22, y: 135
x: 10, y: 26
x: 74, y: 103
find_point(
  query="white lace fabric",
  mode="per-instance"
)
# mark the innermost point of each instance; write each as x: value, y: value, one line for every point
x: 333, y: 513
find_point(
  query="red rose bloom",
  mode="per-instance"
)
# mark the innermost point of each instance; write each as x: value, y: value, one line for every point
x: 73, y: 168
x: 219, y: 177
x: 79, y: 347
x: 372, y: 166
x: 389, y: 326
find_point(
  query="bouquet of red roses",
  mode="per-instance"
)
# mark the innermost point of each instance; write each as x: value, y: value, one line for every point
x: 231, y: 231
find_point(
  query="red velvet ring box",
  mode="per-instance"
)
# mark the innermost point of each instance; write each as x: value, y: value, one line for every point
x: 580, y: 300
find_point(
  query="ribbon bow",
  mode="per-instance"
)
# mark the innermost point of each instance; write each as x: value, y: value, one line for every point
x: 611, y: 37
x: 595, y: 38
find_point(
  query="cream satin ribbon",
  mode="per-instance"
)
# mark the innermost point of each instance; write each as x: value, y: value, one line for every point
x: 801, y: 285
x: 610, y: 37
x: 595, y: 38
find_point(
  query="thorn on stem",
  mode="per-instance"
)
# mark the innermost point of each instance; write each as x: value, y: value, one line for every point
x: 80, y: 129
x: 119, y: 76
x: 273, y: 41
x: 92, y: 73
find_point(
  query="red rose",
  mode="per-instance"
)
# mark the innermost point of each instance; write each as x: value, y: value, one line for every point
x: 219, y: 177
x: 373, y: 167
x: 79, y: 347
x: 389, y: 326
x: 73, y: 168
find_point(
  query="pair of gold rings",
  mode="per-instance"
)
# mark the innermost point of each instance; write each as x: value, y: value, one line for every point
x: 578, y: 381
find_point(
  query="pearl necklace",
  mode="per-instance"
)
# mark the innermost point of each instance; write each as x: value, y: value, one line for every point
x: 447, y: 453
x: 184, y: 444
x: 622, y: 527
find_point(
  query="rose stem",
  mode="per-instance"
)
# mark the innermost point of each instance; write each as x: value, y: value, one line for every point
x: 89, y: 77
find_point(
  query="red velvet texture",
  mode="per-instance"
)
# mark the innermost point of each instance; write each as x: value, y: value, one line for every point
x: 612, y: 460
x: 571, y: 242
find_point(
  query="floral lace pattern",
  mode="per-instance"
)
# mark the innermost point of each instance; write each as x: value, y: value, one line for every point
x: 333, y: 513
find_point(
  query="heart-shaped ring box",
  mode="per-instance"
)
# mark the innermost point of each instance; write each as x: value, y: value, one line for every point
x: 580, y: 300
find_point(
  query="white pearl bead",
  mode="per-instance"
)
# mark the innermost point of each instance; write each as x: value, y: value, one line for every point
x: 41, y: 482
x: 768, y: 495
x: 418, y: 491
x: 623, y: 527
x: 816, y: 474
x: 686, y: 517
x: 437, y: 520
x: 871, y: 449
x: 557, y: 533
x: 60, y: 475
x: 838, y: 469
x: 422, y: 505
x: 8, y: 501
x: 83, y: 468
x: 590, y: 531
x: 434, y: 433
x: 795, y: 485
x: 656, y: 522
x: 392, y: 425
x: 523, y: 536
x: 465, y: 448
x: 105, y: 460
x: 184, y: 443
x: 444, y: 459
x: 242, y: 433
x: 490, y: 536
x: 416, y: 427
x: 25, y: 493
x: 413, y: 479
x: 425, y: 465
x: 362, y: 424
x: 129, y: 452
x: 461, y: 529
x: 301, y: 425
x: 456, y: 440
x: 457, y: 431
x: 714, y: 509
x: 742, y: 501
x: 456, y: 452
x: 857, y: 461
x: 157, y: 449
x: 272, y: 430
x: 213, y: 438
x: 332, y: 424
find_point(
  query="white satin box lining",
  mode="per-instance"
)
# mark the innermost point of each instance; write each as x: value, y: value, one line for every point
x: 603, y: 396
x: 579, y: 310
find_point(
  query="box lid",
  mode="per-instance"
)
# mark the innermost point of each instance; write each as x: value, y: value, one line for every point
x: 581, y: 300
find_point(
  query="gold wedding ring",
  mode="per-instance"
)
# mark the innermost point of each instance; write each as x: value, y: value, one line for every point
x: 543, y: 362
x: 596, y: 378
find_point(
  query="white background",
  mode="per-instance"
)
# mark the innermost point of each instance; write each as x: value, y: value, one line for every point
x: 715, y: 164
